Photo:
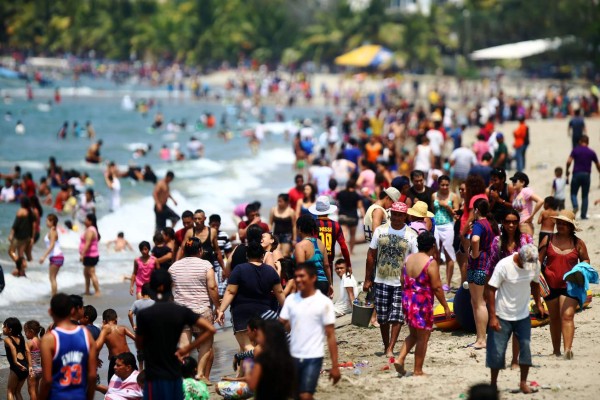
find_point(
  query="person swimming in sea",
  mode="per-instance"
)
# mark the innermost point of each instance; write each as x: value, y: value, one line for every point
x: 93, y: 153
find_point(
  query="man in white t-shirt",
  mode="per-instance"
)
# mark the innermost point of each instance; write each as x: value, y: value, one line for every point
x: 514, y: 278
x: 320, y: 174
x: 436, y: 142
x: 462, y: 160
x: 348, y: 289
x: 390, y: 246
x: 309, y: 316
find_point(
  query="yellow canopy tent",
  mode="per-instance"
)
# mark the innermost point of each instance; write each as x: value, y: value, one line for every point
x: 369, y: 55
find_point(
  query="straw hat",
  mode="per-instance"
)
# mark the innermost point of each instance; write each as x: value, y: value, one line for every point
x: 419, y: 209
x: 568, y: 216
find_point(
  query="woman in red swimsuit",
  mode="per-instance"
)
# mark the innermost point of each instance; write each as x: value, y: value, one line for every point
x: 562, y: 251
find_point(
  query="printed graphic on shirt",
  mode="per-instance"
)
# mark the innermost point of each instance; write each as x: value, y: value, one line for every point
x: 391, y: 252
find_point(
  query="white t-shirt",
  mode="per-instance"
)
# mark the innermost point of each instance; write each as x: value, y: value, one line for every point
x: 321, y: 175
x: 559, y: 186
x: 308, y: 317
x: 393, y: 246
x: 513, y: 284
x: 464, y: 159
x: 7, y: 194
x: 343, y: 305
x: 423, y: 158
x: 436, y: 141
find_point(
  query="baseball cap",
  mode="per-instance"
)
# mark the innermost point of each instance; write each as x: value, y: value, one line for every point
x: 400, y: 181
x: 399, y: 206
x: 529, y: 256
x: 499, y: 135
x: 520, y: 176
x: 393, y: 193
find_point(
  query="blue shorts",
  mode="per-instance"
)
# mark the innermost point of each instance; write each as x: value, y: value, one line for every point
x: 497, y: 342
x: 163, y: 389
x: 476, y: 276
x: 308, y: 371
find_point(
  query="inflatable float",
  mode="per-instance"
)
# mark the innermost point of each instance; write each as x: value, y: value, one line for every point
x: 441, y: 322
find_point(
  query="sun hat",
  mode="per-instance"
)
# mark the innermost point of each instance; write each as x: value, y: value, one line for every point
x: 529, y: 256
x: 393, y: 193
x: 399, y: 206
x: 322, y: 206
x: 520, y: 176
x: 419, y: 209
x: 568, y: 216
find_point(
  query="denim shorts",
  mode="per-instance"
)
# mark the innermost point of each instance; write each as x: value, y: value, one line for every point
x: 308, y: 371
x: 497, y: 342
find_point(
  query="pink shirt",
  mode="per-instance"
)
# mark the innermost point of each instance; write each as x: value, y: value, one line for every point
x: 480, y: 148
x: 368, y: 180
x: 144, y: 270
x: 190, y: 286
x: 93, y: 250
x: 523, y: 203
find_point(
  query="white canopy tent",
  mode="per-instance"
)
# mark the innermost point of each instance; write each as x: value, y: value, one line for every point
x: 519, y: 50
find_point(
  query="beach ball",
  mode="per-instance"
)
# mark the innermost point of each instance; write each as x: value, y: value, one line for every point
x: 441, y: 322
x: 463, y: 310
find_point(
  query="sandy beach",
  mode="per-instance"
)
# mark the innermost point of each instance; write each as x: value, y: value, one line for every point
x: 451, y: 367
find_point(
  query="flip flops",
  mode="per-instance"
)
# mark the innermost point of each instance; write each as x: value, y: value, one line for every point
x: 472, y: 345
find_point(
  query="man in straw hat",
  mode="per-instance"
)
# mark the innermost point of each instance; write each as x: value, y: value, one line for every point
x: 514, y: 278
x: 390, y: 246
x: 582, y: 157
x: 330, y: 232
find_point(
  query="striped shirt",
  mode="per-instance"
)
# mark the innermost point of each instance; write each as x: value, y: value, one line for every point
x: 190, y: 288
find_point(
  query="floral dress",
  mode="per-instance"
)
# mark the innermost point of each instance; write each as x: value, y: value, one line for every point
x: 417, y: 299
x: 497, y: 254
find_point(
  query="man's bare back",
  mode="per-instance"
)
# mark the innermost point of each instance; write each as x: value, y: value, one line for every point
x: 546, y: 220
x: 161, y: 193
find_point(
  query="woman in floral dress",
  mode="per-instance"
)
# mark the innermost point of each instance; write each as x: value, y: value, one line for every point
x: 421, y: 280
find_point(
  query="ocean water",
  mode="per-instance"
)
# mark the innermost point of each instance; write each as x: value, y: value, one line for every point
x: 228, y: 175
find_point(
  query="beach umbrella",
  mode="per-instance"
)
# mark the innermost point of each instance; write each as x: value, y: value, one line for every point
x: 369, y: 55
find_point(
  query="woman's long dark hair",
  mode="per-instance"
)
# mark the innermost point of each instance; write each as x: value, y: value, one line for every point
x: 313, y: 193
x: 277, y: 380
x: 92, y: 218
x: 483, y: 206
x: 504, y: 233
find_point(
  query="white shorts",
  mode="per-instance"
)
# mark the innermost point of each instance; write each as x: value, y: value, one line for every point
x: 444, y: 237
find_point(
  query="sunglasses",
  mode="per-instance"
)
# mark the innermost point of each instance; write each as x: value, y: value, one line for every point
x: 511, y: 221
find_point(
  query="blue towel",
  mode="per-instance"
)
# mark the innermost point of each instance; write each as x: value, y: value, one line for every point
x: 590, y: 276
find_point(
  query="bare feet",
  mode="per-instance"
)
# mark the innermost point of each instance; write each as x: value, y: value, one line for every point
x: 514, y: 365
x: 569, y: 354
x: 419, y: 373
x: 400, y: 368
x: 98, y: 294
x: 389, y: 354
x: 87, y: 294
x: 525, y: 388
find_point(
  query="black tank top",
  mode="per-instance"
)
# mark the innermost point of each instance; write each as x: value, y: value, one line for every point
x: 499, y: 210
x: 282, y: 225
x: 208, y: 252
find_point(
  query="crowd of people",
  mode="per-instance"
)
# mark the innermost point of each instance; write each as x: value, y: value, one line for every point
x: 392, y: 171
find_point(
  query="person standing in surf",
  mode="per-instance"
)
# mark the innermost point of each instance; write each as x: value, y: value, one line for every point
x: 162, y: 194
